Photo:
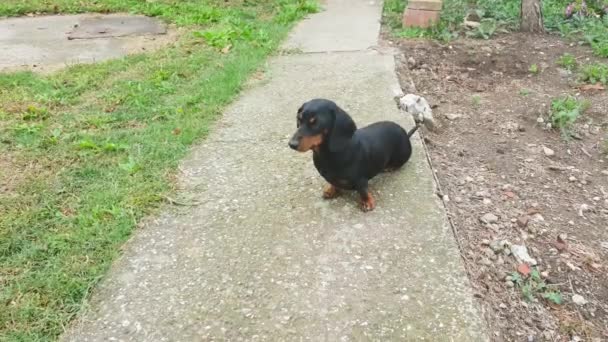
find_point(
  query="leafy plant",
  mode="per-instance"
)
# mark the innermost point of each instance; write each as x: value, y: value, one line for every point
x: 567, y: 61
x: 486, y: 29
x: 594, y: 73
x: 533, y: 286
x: 533, y: 69
x: 476, y: 100
x: 565, y: 111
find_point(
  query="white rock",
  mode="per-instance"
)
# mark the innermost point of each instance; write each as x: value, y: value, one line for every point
x: 419, y: 108
x: 548, y: 152
x: 540, y: 120
x: 579, y: 300
x: 521, y: 254
x: 452, y: 117
x: 489, y: 218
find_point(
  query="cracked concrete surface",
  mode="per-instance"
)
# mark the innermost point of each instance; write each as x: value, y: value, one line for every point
x: 264, y: 257
x: 47, y: 43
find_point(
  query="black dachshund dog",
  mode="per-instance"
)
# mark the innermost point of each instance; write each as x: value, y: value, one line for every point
x: 345, y: 156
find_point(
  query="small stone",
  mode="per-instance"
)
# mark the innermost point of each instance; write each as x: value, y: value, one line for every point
x: 487, y: 201
x: 458, y: 199
x: 509, y: 284
x: 540, y: 120
x: 453, y: 117
x: 523, y: 221
x: 496, y: 246
x: 548, y: 152
x: 485, y: 261
x: 507, y: 187
x: 485, y: 242
x: 521, y: 254
x: 538, y: 218
x: 469, y: 179
x: 489, y: 218
x: 583, y: 209
x: 596, y: 198
x: 572, y: 179
x: 411, y: 62
x: 446, y: 198
x: 503, y: 305
x: 579, y: 300
x: 605, y: 172
x: 604, y: 244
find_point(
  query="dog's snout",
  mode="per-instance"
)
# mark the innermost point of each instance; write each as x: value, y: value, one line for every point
x: 294, y: 143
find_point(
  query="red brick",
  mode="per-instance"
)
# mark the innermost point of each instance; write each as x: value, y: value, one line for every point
x: 420, y: 18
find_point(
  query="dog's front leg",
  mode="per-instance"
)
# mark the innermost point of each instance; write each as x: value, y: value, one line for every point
x: 367, y: 201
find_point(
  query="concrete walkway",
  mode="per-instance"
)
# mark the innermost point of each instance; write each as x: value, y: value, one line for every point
x: 48, y: 43
x: 264, y: 258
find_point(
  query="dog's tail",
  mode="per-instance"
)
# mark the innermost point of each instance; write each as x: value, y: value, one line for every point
x: 413, y: 130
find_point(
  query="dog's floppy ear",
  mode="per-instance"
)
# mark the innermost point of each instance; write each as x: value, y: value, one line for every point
x: 299, y: 113
x: 342, y: 130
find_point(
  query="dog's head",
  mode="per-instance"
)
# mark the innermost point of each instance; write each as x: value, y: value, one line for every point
x: 321, y: 122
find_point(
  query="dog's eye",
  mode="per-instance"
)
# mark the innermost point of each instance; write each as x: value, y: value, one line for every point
x: 312, y: 121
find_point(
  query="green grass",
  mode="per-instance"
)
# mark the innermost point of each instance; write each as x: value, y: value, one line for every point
x: 567, y: 61
x: 565, y: 111
x: 502, y: 16
x: 594, y: 73
x: 93, y: 148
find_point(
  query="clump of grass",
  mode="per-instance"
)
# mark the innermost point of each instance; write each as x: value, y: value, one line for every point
x: 533, y: 286
x: 565, y: 111
x: 534, y: 69
x: 567, y: 61
x: 524, y: 92
x: 594, y: 73
x: 476, y: 100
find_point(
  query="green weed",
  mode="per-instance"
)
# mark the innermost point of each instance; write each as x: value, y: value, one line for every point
x: 533, y: 286
x: 567, y: 61
x: 565, y: 111
x: 594, y: 73
x: 533, y: 69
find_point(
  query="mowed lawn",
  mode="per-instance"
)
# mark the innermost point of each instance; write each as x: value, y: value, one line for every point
x: 86, y: 152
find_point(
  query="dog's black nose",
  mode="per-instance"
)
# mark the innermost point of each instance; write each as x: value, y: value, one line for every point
x: 293, y: 143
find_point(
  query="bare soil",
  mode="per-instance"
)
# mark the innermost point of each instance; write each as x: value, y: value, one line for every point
x: 488, y: 152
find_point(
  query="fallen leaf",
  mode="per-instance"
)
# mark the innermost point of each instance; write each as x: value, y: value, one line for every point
x: 176, y: 131
x: 524, y: 269
x: 587, y: 87
x: 226, y: 48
